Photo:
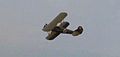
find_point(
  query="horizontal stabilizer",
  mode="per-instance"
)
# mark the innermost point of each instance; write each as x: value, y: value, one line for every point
x: 78, y: 31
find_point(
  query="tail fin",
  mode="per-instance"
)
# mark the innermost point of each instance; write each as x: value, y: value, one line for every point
x: 78, y: 31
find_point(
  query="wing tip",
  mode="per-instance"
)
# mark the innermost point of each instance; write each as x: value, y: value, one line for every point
x: 65, y: 13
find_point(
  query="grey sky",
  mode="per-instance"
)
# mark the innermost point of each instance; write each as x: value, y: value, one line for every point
x: 21, y: 22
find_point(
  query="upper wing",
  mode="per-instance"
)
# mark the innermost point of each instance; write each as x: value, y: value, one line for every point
x: 54, y: 22
x: 52, y: 35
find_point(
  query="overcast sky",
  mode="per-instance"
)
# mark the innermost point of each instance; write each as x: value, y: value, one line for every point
x: 21, y: 22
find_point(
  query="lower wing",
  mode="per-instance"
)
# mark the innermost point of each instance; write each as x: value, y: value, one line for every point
x: 52, y: 35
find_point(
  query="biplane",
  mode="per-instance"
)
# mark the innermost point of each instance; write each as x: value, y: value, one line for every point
x: 58, y: 26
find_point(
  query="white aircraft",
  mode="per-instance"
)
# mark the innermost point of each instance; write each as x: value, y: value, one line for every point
x: 57, y: 26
